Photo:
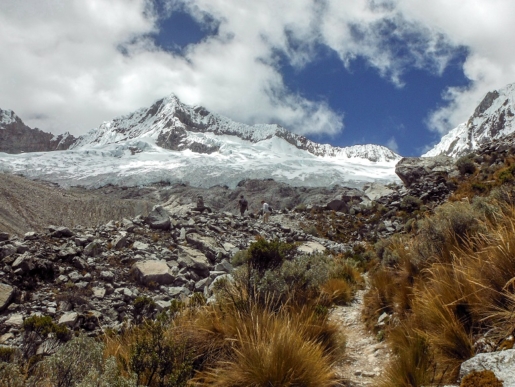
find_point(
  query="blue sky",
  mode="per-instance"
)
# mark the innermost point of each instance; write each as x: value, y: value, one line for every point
x: 375, y: 110
x: 399, y: 73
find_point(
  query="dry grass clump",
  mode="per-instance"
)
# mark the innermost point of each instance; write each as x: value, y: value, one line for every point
x: 264, y: 347
x: 448, y: 286
x: 268, y: 327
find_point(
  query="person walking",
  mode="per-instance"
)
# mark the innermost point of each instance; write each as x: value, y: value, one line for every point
x: 266, y: 211
x: 243, y: 205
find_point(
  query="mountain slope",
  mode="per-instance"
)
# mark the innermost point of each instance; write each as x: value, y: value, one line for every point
x: 173, y: 142
x: 16, y: 137
x: 492, y: 119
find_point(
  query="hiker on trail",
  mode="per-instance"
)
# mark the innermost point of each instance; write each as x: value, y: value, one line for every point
x: 266, y: 211
x: 243, y: 205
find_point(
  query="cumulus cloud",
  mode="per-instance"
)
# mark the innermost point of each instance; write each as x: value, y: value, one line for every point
x: 70, y: 65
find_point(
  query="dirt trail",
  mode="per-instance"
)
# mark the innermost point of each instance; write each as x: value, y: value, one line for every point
x: 365, y: 358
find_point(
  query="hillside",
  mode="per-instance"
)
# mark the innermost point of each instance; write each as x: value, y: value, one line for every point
x: 30, y: 205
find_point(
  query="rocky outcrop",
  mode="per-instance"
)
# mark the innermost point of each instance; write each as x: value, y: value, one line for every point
x: 415, y: 169
x: 502, y: 364
x: 16, y: 137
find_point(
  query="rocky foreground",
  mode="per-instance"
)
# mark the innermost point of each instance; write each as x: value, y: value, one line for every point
x: 89, y: 278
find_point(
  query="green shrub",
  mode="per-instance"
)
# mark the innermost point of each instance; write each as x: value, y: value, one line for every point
x: 156, y: 357
x: 505, y: 175
x: 7, y: 354
x: 11, y: 375
x: 265, y: 255
x: 240, y: 258
x: 72, y: 362
x: 410, y: 203
x: 109, y: 376
x: 36, y: 329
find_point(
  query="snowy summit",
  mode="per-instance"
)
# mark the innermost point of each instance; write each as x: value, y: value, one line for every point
x: 492, y: 119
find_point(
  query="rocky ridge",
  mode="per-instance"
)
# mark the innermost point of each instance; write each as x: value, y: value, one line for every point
x: 174, y: 125
x: 16, y: 137
x: 492, y: 119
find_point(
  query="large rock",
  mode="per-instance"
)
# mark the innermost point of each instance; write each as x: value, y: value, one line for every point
x: 60, y: 232
x: 93, y: 249
x: 7, y: 250
x: 412, y: 169
x: 208, y: 245
x: 502, y: 364
x: 7, y: 293
x: 158, y: 218
x: 25, y: 262
x: 374, y: 191
x: 150, y: 271
x: 194, y: 260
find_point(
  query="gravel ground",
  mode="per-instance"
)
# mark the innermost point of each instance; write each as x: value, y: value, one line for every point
x: 365, y: 358
x: 27, y: 205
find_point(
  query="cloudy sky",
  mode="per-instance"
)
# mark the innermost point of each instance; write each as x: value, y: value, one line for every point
x: 400, y: 73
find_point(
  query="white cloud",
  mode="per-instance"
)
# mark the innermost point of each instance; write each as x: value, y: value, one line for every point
x: 486, y: 29
x: 392, y: 144
x: 70, y: 65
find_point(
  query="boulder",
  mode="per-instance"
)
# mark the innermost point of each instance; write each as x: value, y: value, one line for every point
x: 194, y: 260
x: 311, y: 248
x: 24, y: 262
x: 412, y: 169
x: 374, y: 191
x: 140, y: 246
x: 69, y: 319
x: 61, y: 232
x: 4, y: 236
x: 7, y: 250
x: 208, y: 245
x: 337, y: 205
x: 30, y: 236
x: 120, y: 242
x: 158, y: 218
x: 15, y: 321
x: 93, y: 249
x: 7, y: 293
x: 502, y: 364
x: 152, y: 271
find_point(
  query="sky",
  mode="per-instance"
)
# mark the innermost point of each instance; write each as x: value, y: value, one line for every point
x: 399, y: 73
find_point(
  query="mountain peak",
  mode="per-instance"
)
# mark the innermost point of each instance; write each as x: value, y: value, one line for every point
x: 492, y: 119
x: 8, y: 117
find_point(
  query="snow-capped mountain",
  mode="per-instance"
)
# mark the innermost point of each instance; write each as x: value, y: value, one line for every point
x: 492, y: 119
x: 173, y: 142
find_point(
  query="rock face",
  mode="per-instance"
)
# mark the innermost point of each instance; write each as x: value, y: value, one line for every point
x: 16, y: 137
x: 502, y: 364
x: 414, y: 169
